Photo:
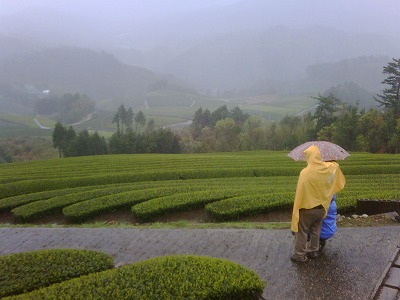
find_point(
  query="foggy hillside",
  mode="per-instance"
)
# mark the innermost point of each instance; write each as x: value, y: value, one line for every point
x: 229, y: 47
x: 69, y: 70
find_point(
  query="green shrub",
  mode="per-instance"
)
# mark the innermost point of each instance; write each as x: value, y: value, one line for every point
x: 15, y: 201
x: 147, y: 211
x: 234, y: 208
x: 26, y: 271
x: 81, y: 211
x: 169, y: 277
x: 55, y: 205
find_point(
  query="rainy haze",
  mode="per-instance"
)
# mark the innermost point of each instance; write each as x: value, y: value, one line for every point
x: 217, y: 48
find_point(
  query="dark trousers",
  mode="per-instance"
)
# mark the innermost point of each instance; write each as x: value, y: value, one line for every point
x: 310, y: 221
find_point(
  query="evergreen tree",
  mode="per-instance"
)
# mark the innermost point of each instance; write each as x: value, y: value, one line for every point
x: 390, y: 97
x: 140, y: 120
x: 59, y: 136
x: 325, y: 111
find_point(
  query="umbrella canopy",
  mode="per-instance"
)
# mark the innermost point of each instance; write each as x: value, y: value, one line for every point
x: 329, y: 151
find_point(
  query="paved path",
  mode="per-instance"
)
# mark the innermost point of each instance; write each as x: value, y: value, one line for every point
x: 350, y: 268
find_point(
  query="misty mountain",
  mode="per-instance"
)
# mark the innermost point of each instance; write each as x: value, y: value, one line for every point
x: 74, y: 70
x: 365, y: 71
x: 11, y: 46
x: 238, y: 60
x: 224, y: 47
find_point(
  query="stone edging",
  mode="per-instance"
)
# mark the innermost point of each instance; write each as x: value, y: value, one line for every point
x: 388, y: 286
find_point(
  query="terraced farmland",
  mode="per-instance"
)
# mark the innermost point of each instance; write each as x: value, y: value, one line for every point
x: 227, y: 186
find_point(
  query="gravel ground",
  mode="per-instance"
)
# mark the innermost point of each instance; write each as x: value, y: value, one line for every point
x: 350, y: 267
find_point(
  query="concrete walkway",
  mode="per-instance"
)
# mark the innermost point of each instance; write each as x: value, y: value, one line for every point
x: 352, y: 266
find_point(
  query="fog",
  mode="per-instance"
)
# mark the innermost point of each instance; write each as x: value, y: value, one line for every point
x: 211, y: 44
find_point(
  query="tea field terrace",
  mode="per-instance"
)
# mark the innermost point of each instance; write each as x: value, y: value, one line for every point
x: 147, y: 187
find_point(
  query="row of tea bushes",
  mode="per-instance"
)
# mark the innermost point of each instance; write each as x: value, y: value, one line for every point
x: 138, y: 163
x: 151, y: 203
x: 241, y: 197
x: 169, y: 277
x: 55, y: 205
x: 27, y: 271
x: 38, y: 185
x: 99, y: 186
x: 368, y: 186
x: 90, y: 203
x: 91, y: 191
x: 247, y: 205
x: 9, y: 203
x: 114, y: 165
x: 91, y: 208
x: 149, y: 210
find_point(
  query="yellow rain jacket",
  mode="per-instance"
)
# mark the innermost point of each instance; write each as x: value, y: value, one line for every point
x: 317, y: 184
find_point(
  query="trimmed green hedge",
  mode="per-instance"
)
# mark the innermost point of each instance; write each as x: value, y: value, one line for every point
x: 367, y: 175
x: 81, y: 211
x: 33, y: 186
x: 27, y: 271
x: 170, y: 277
x: 15, y: 201
x: 234, y: 208
x: 147, y: 211
x: 54, y: 205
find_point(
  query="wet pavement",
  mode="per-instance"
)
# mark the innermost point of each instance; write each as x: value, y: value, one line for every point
x: 356, y: 263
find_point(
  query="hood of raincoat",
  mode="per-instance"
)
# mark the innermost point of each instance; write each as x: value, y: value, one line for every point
x: 316, y: 185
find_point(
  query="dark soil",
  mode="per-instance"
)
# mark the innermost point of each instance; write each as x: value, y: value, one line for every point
x: 196, y: 217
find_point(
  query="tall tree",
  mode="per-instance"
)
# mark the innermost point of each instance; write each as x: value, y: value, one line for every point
x: 346, y: 132
x: 83, y: 144
x: 140, y: 120
x: 325, y: 111
x: 390, y: 97
x: 129, y: 118
x: 59, y: 134
x: 98, y: 144
x: 120, y: 118
x: 220, y: 113
x: 227, y: 135
x: 238, y: 115
x: 70, y: 143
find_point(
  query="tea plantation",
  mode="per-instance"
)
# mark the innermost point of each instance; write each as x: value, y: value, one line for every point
x: 228, y: 186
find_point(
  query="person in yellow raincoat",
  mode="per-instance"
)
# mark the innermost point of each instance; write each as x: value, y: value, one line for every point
x: 316, y: 185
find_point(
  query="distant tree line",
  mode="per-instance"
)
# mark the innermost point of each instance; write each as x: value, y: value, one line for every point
x: 137, y: 135
x: 69, y: 143
x: 128, y: 138
x: 68, y: 109
x: 375, y: 130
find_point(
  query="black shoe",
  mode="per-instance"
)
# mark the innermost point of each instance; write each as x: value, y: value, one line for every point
x: 322, y: 244
x: 313, y: 255
x: 299, y: 259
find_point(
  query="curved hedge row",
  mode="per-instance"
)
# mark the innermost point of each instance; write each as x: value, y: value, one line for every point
x: 91, y: 208
x: 9, y: 203
x: 32, y: 186
x: 27, y: 271
x: 53, y: 205
x: 169, y: 277
x: 147, y: 211
x: 155, y: 176
x: 234, y: 208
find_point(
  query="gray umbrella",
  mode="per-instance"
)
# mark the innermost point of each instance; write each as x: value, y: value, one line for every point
x: 329, y: 151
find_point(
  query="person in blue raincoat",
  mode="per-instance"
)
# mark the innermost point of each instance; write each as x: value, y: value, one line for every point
x: 328, y: 228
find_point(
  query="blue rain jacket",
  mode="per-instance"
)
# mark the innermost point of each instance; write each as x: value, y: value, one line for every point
x: 329, y: 223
